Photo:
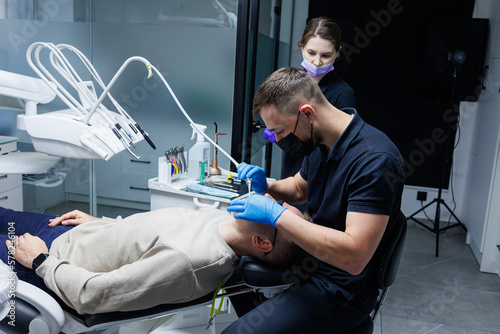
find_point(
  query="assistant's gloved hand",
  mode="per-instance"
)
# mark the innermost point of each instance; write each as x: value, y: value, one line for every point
x: 257, y: 174
x: 258, y: 209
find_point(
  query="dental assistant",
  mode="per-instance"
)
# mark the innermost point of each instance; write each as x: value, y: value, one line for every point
x: 320, y: 46
x: 352, y: 181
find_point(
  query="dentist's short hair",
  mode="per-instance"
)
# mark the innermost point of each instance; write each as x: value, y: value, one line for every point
x: 286, y: 89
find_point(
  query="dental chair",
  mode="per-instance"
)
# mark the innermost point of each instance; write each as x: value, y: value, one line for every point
x: 38, y: 312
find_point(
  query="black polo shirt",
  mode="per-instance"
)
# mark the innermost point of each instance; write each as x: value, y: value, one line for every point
x: 341, y: 96
x: 362, y: 173
x: 337, y: 91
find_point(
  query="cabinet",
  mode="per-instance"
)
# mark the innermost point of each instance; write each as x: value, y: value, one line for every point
x: 481, y: 208
x: 11, y: 186
x: 122, y: 178
x: 490, y: 260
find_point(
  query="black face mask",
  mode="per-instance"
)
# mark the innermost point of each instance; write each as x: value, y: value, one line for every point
x: 292, y: 145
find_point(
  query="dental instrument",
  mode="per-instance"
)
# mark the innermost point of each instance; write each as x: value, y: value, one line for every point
x: 214, y: 169
x: 178, y: 160
x: 182, y: 158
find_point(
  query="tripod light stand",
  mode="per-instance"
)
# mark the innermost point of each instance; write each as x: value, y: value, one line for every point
x: 456, y: 59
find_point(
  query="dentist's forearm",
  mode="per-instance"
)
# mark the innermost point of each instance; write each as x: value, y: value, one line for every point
x: 288, y: 190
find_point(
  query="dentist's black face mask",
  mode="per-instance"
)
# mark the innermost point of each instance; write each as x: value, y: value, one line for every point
x: 292, y: 145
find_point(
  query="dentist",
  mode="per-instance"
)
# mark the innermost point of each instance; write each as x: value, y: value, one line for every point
x: 351, y: 180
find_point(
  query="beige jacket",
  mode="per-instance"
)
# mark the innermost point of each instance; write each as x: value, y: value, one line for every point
x: 170, y: 255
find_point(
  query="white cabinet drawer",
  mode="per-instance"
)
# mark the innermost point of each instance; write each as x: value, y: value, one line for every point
x: 134, y: 187
x: 9, y: 181
x: 147, y: 165
x: 161, y: 199
x: 12, y: 199
x: 7, y: 145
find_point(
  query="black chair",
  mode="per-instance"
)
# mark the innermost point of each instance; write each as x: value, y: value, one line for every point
x: 387, y: 270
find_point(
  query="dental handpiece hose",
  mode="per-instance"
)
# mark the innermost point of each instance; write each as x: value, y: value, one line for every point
x: 189, y: 118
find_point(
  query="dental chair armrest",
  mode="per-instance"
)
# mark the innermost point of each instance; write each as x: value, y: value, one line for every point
x: 50, y: 311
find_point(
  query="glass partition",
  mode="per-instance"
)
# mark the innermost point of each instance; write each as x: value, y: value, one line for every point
x: 22, y: 23
x: 192, y: 43
x: 264, y: 48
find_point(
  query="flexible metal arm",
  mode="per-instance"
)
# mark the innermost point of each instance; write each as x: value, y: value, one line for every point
x: 112, y: 82
x: 189, y: 118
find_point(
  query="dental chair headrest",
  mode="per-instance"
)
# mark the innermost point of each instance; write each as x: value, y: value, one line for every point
x: 260, y: 274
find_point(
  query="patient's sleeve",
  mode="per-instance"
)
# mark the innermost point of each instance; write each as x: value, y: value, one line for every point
x: 162, y: 275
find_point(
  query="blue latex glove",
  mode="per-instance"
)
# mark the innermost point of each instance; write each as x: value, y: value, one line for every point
x: 258, y: 209
x: 257, y: 174
x: 269, y: 135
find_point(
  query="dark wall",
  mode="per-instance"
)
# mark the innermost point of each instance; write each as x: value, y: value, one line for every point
x: 394, y: 61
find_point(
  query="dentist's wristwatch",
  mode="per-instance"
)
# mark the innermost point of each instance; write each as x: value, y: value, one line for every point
x: 37, y: 262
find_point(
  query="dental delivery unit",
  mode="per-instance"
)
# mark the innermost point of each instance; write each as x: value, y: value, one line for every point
x: 87, y: 129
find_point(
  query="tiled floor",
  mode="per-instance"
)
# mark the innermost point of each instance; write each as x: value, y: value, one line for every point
x: 445, y: 294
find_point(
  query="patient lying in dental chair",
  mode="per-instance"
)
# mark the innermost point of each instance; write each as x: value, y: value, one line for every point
x: 171, y: 255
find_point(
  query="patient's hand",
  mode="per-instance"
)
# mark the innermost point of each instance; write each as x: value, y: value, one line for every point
x: 26, y: 248
x: 74, y: 217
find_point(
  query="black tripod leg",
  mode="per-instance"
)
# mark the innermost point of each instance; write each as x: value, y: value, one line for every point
x: 421, y: 209
x: 455, y: 216
x: 436, y: 225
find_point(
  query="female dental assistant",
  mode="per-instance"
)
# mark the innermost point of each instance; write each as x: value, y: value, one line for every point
x: 320, y: 46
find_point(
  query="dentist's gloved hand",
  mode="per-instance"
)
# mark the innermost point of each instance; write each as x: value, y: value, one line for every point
x: 258, y: 209
x: 269, y: 135
x: 257, y: 174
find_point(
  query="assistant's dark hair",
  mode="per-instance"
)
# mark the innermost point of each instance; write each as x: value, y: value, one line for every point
x: 322, y: 27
